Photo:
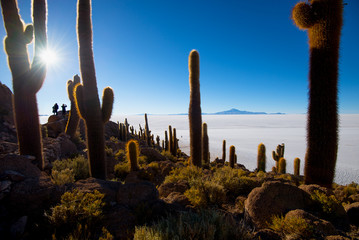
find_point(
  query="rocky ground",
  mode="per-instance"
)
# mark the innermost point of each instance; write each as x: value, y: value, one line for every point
x: 144, y: 196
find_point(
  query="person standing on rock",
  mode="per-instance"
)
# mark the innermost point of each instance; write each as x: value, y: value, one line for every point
x: 63, y: 107
x: 55, y: 108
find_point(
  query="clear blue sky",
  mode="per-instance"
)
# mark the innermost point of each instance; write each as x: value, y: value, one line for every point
x: 252, y: 57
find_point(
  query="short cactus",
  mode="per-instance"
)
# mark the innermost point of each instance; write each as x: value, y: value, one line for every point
x: 27, y: 78
x: 224, y: 150
x: 282, y: 166
x: 194, y: 111
x: 278, y: 154
x: 73, y: 119
x: 170, y: 138
x: 205, y: 145
x: 261, y: 158
x: 232, y: 155
x: 132, y: 152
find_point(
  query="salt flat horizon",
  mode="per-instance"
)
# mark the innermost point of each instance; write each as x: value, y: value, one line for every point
x: 246, y: 132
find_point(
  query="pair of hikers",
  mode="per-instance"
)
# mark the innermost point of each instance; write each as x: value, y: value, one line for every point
x: 56, y: 107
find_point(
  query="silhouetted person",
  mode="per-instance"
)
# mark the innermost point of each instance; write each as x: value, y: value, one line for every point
x: 55, y: 108
x: 63, y: 107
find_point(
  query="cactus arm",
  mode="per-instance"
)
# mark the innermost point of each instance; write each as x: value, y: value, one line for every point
x: 303, y: 16
x: 73, y: 119
x: 38, y: 68
x: 107, y: 104
x: 79, y: 100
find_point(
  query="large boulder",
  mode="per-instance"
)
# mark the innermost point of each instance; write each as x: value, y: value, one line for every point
x: 273, y: 198
x: 353, y: 213
x: 6, y: 110
x: 167, y: 188
x: 56, y: 124
x: 134, y: 193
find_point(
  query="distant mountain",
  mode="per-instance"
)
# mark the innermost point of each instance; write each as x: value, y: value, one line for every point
x: 234, y: 111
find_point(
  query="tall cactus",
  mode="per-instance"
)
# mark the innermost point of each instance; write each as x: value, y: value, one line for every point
x: 174, y: 142
x: 166, y: 141
x: 170, y: 143
x: 323, y: 20
x: 232, y: 156
x: 147, y: 131
x: 194, y: 111
x: 27, y: 79
x: 73, y: 120
x: 278, y: 154
x: 205, y: 145
x: 132, y: 152
x: 86, y: 95
x: 261, y: 158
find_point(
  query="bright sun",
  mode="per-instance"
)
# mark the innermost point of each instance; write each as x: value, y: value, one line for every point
x: 49, y: 57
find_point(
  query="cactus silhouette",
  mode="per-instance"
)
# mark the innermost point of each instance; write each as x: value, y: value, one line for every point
x: 194, y: 111
x: 147, y: 131
x: 224, y: 150
x: 282, y: 166
x: 174, y: 142
x: 86, y: 95
x: 132, y: 152
x: 27, y: 78
x: 170, y: 144
x: 232, y: 156
x: 205, y: 145
x: 296, y: 166
x: 261, y: 158
x: 323, y: 20
x: 278, y: 154
x: 73, y: 120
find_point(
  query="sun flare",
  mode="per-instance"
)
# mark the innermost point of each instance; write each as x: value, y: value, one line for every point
x: 49, y: 56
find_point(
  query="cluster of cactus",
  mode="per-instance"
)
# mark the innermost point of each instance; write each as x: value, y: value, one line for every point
x: 323, y: 20
x: 194, y: 111
x: 205, y: 145
x: 278, y: 154
x: 261, y: 158
x: 73, y: 119
x: 132, y: 153
x: 86, y: 95
x: 123, y: 134
x: 27, y: 78
x: 171, y: 141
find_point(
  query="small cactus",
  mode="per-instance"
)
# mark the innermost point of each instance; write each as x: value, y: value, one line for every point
x: 296, y: 166
x: 132, y: 152
x: 194, y: 111
x: 232, y: 155
x: 282, y: 166
x: 278, y: 154
x: 261, y: 158
x: 170, y: 138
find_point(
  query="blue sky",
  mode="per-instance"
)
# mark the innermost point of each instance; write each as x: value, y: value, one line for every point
x: 252, y: 57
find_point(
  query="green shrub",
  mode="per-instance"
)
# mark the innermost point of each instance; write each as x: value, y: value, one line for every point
x: 121, y: 170
x: 62, y: 177
x: 296, y: 227
x: 120, y: 155
x: 206, y: 193
x: 190, y: 174
x: 79, y: 166
x: 169, y: 156
x: 77, y: 215
x: 327, y: 204
x: 205, y: 225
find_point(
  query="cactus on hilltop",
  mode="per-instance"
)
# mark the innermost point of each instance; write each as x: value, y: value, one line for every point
x: 86, y: 95
x: 296, y: 166
x: 282, y: 166
x: 27, y: 78
x: 278, y: 154
x: 232, y: 156
x: 261, y: 158
x: 194, y: 111
x: 323, y: 21
x: 73, y: 119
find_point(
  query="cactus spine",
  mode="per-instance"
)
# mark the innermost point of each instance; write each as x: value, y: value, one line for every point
x: 27, y: 78
x: 205, y: 146
x: 296, y: 166
x: 86, y: 95
x: 224, y: 150
x: 232, y: 156
x: 282, y: 166
x: 278, y: 154
x: 323, y: 20
x: 132, y: 152
x: 73, y: 121
x: 194, y: 111
x: 261, y: 158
